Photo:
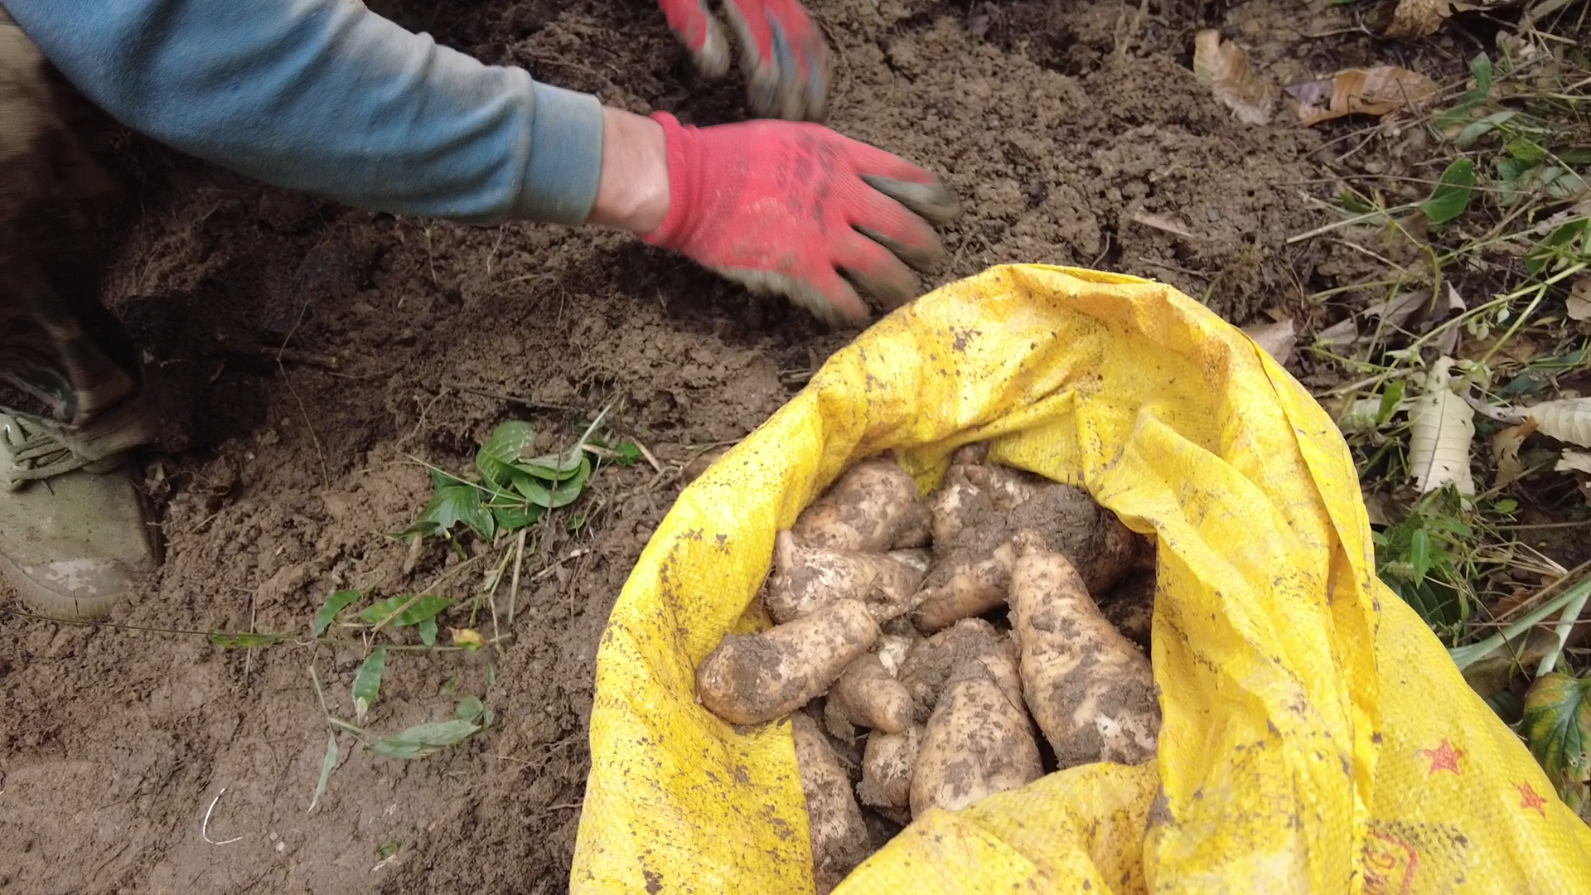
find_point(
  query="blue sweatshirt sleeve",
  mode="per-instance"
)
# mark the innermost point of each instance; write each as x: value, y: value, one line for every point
x: 327, y: 97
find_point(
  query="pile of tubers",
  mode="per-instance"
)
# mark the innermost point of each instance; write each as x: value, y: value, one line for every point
x: 917, y: 642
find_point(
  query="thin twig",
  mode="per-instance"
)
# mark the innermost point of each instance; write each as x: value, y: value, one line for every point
x: 204, y: 827
x: 513, y: 587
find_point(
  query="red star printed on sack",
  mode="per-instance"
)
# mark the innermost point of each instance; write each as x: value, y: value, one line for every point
x: 1443, y: 758
x: 1529, y: 798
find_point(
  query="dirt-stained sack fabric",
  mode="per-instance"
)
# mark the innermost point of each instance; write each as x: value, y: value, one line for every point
x: 1317, y: 739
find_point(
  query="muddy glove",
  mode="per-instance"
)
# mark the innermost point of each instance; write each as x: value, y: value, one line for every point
x: 781, y: 51
x: 788, y: 208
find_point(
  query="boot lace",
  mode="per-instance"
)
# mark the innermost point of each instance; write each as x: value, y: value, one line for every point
x: 29, y: 453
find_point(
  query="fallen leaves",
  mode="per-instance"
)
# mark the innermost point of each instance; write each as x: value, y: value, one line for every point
x: 1441, y: 427
x: 1557, y: 725
x: 1566, y: 420
x: 1574, y: 461
x: 1371, y: 91
x: 1578, y: 305
x: 1505, y: 447
x: 1224, y: 68
x: 1422, y: 18
x: 1275, y: 338
x: 1162, y: 223
x: 1417, y: 18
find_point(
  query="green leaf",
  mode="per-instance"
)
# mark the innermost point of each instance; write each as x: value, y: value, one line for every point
x: 459, y: 502
x: 470, y: 708
x: 1526, y: 150
x: 1554, y: 245
x: 336, y: 603
x: 560, y: 495
x: 367, y: 683
x: 513, y: 518
x: 1452, y: 192
x: 1575, y: 156
x: 507, y: 444
x: 426, y: 739
x: 555, y: 467
x: 1420, y: 554
x: 1481, y: 68
x: 1505, y: 506
x: 247, y: 640
x: 427, y: 629
x: 327, y: 765
x: 1561, y: 363
x: 629, y: 454
x: 1354, y: 202
x: 1557, y: 725
x: 427, y: 606
x: 1390, y: 399
x: 1477, y: 129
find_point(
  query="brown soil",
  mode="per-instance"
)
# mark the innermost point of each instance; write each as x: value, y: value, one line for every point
x: 1058, y: 126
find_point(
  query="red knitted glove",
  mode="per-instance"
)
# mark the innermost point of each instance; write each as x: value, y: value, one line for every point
x: 787, y: 208
x: 782, y: 53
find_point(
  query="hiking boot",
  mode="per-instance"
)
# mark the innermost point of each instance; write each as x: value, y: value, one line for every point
x: 74, y: 534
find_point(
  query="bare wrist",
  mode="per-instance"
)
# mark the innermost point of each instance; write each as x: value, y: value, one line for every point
x: 633, y: 192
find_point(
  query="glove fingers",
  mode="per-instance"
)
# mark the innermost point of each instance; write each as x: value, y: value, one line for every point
x: 919, y: 191
x: 878, y: 271
x: 826, y: 295
x: 785, y: 60
x: 907, y: 236
x: 700, y: 32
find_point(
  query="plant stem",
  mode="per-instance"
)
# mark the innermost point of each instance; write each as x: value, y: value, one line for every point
x: 1465, y: 656
x: 1348, y: 222
x: 1566, y: 623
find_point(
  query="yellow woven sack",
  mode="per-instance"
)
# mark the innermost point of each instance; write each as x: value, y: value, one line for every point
x: 1316, y: 737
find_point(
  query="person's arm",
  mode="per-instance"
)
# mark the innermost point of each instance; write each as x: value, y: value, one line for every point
x: 327, y: 97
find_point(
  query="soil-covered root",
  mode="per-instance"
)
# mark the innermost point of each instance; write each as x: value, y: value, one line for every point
x: 1130, y: 607
x: 887, y: 764
x: 867, y: 695
x: 930, y: 662
x: 805, y: 578
x: 967, y: 485
x: 979, y: 740
x: 972, y: 570
x: 872, y: 508
x: 963, y: 589
x: 755, y: 678
x: 840, y: 839
x: 1091, y: 691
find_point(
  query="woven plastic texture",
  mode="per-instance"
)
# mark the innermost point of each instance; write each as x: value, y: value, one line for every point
x: 1316, y: 737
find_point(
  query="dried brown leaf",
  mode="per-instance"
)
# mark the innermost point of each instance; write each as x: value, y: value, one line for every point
x: 1574, y: 461
x: 1222, y: 66
x: 1161, y: 222
x: 1441, y: 426
x: 1568, y: 420
x: 1370, y: 91
x: 1505, y: 448
x: 1422, y: 18
x: 1417, y: 18
x: 1276, y: 338
x: 1579, y: 303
